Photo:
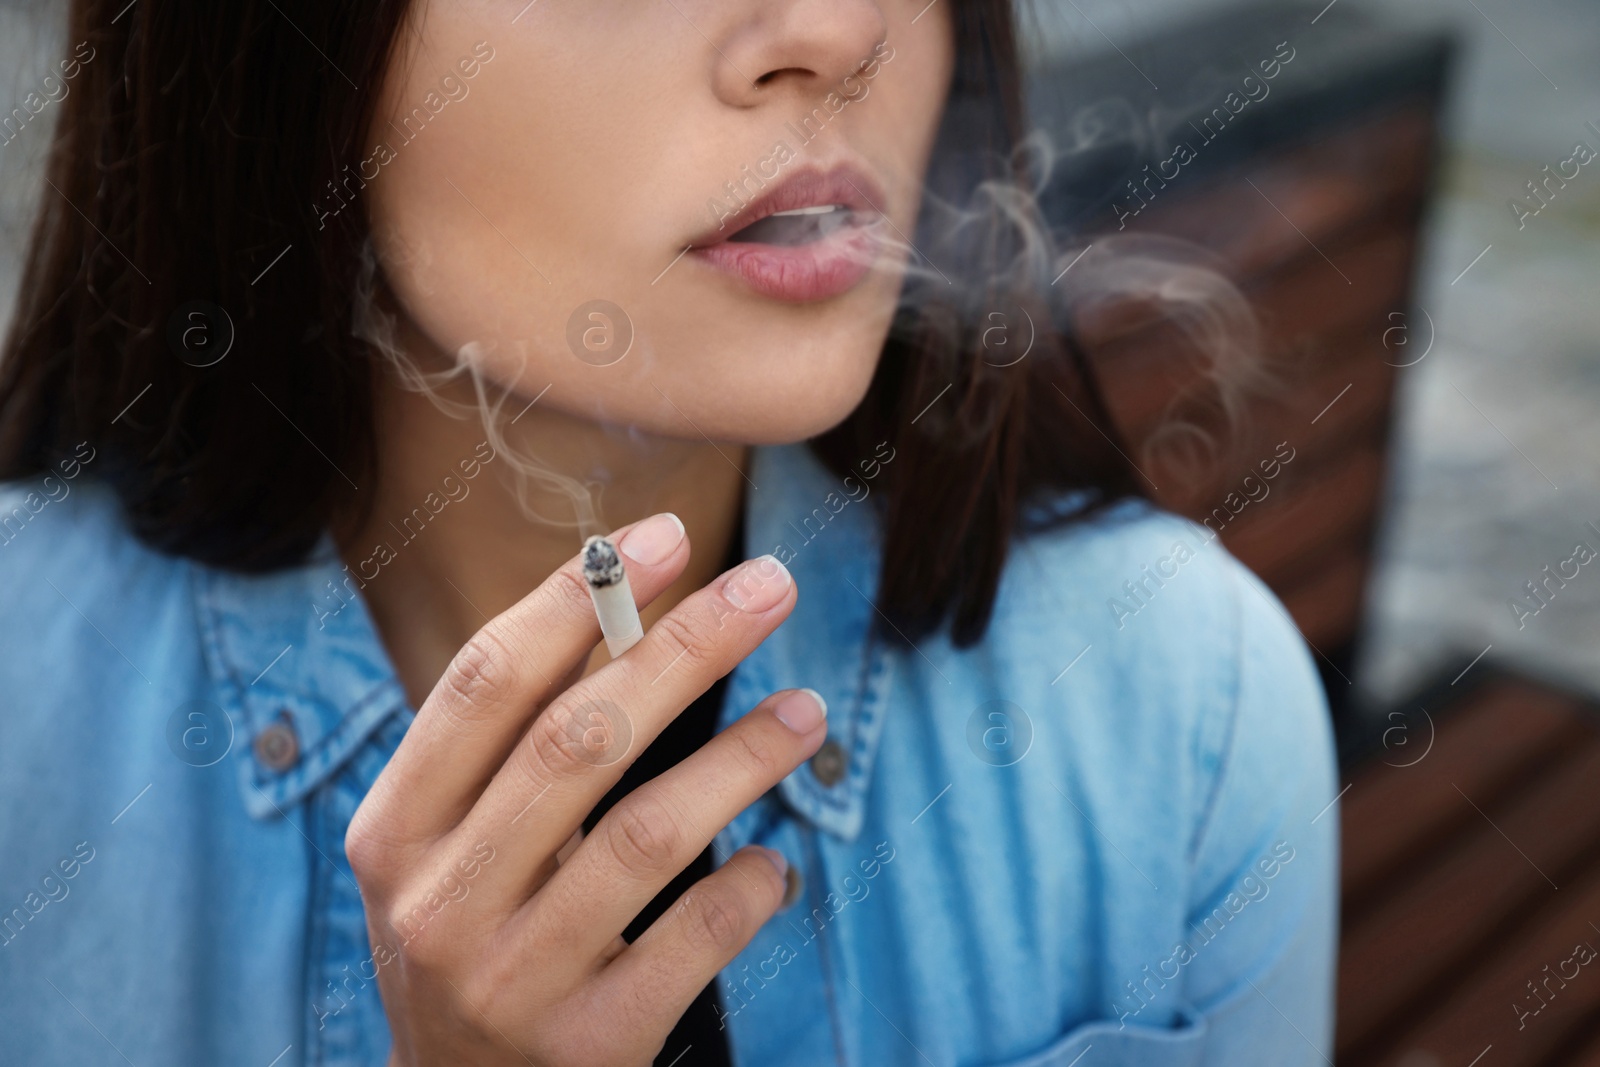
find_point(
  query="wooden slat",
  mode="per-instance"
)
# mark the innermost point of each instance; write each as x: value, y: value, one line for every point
x: 1427, y: 928
x: 1586, y: 1054
x: 1325, y: 187
x: 1354, y: 416
x: 1298, y: 524
x: 1144, y: 362
x: 1365, y: 276
x: 1141, y: 373
x: 1326, y: 603
x: 1392, y: 813
x: 1482, y: 1013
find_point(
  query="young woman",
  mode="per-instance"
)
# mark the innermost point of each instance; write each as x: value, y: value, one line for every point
x: 344, y: 324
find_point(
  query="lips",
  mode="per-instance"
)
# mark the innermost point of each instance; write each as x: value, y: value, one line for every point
x: 811, y: 254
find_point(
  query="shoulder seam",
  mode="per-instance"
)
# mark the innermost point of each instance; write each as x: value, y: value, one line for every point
x: 1225, y: 746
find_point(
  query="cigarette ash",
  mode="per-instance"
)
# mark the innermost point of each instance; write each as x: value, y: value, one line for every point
x: 601, y: 564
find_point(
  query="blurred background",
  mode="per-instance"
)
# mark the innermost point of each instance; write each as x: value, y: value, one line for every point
x: 1406, y: 204
x: 1438, y: 355
x: 1493, y: 466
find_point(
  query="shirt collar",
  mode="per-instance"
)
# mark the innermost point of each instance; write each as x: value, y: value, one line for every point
x: 824, y: 529
x: 295, y: 649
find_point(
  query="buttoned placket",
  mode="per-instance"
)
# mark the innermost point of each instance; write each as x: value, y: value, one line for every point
x: 829, y: 643
x: 320, y: 711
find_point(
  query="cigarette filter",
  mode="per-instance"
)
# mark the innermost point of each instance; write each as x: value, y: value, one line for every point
x: 613, y: 599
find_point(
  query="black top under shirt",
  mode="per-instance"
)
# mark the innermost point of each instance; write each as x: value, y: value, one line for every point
x: 700, y: 1028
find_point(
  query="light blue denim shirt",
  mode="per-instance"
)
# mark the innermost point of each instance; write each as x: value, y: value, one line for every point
x: 1104, y: 835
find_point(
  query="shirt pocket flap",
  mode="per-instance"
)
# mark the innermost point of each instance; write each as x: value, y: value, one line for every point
x: 1117, y: 1045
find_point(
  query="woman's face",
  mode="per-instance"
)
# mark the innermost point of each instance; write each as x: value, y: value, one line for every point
x: 537, y: 170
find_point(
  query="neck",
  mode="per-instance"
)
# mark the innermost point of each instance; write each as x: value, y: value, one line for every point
x: 462, y: 549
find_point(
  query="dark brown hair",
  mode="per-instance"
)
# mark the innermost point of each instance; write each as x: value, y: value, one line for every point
x: 188, y: 155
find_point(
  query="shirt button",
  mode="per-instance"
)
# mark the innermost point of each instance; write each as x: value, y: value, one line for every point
x: 829, y: 762
x: 277, y: 747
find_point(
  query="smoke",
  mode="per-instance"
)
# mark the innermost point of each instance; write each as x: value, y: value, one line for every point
x: 991, y: 254
x: 376, y: 323
x: 997, y: 252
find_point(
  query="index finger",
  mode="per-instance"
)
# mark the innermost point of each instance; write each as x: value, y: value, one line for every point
x: 500, y: 678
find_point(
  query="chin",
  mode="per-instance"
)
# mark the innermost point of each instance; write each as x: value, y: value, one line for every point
x: 755, y: 371
x: 734, y: 399
x: 773, y: 417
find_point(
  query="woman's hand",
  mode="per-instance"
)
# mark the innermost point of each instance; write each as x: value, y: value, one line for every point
x: 489, y: 950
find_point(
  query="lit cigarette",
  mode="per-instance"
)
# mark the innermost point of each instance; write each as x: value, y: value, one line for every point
x: 613, y: 600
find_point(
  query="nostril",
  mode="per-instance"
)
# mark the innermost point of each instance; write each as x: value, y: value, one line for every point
x: 772, y: 75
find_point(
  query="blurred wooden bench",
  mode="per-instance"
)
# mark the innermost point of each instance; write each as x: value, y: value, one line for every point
x: 1471, y: 874
x: 1311, y: 201
x: 1471, y: 822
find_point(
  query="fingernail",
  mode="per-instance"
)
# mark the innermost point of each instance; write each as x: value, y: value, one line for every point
x: 792, y: 884
x: 778, y: 860
x: 802, y: 710
x: 757, y: 585
x: 654, y: 539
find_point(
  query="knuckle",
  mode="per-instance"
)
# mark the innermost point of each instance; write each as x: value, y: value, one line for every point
x: 366, y: 846
x: 480, y: 675
x: 713, y: 919
x: 643, y: 839
x: 698, y: 645
x: 559, y: 744
x: 497, y: 986
x: 759, y: 754
x: 425, y: 944
x: 571, y: 595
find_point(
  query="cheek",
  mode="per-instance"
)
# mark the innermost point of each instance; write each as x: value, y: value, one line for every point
x: 502, y: 219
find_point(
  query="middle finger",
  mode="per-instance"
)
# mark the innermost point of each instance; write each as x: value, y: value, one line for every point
x: 579, y: 746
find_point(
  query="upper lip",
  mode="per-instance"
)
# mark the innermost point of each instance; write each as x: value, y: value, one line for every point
x: 811, y: 186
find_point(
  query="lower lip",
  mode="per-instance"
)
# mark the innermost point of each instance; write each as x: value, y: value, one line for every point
x: 799, y: 273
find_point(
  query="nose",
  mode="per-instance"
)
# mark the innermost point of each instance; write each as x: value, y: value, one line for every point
x: 795, y: 47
